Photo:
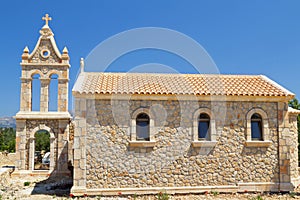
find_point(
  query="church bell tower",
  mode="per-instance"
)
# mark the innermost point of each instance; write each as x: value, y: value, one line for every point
x: 44, y: 62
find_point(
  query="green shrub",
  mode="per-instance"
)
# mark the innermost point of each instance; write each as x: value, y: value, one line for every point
x: 26, y: 183
x: 293, y: 194
x: 257, y: 198
x: 163, y: 196
x: 134, y: 196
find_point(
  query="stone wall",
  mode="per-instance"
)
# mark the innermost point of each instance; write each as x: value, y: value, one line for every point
x: 293, y: 144
x: 111, y: 162
x: 5, y: 176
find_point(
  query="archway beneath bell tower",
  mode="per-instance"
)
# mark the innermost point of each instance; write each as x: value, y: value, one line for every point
x: 41, y: 151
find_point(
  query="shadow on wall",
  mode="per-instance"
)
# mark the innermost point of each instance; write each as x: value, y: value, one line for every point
x: 58, y: 183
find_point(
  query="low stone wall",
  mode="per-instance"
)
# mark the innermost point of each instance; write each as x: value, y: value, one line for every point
x: 7, y: 159
x: 5, y: 175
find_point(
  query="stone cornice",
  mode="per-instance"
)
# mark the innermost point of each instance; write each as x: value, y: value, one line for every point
x: 42, y: 115
x: 183, y: 97
x: 45, y: 64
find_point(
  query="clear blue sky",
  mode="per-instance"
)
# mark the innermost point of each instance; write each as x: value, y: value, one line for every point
x: 242, y: 37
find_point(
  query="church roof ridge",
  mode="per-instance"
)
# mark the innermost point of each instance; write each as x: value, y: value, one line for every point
x: 174, y: 74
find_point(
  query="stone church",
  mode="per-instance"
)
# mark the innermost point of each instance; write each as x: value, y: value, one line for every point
x: 143, y: 133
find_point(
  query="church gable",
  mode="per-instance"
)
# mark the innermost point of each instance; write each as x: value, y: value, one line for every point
x: 45, y: 52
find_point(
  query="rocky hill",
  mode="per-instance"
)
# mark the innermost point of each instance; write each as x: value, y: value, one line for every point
x: 7, y: 122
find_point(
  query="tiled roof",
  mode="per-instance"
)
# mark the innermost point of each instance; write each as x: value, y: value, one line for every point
x: 293, y: 111
x: 187, y: 84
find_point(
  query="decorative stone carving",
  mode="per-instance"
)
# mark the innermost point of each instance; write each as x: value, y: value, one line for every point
x: 46, y: 32
x: 45, y: 53
x: 45, y: 70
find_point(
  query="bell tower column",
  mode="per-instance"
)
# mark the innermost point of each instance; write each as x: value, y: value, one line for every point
x: 44, y: 99
x: 25, y: 97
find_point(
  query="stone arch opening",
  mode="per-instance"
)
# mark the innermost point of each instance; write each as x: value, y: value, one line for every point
x: 35, y: 92
x: 42, y: 150
x: 42, y: 142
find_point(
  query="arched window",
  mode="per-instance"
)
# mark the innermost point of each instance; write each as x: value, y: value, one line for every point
x: 257, y: 130
x: 142, y: 127
x: 204, y: 127
x: 256, y: 127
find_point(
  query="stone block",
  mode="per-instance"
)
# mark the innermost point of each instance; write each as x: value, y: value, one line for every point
x: 82, y: 164
x: 78, y: 174
x: 77, y: 154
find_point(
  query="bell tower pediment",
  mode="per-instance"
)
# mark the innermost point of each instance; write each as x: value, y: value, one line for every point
x: 46, y: 50
x: 45, y: 53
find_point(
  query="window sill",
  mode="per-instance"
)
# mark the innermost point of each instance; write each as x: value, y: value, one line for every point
x: 142, y: 143
x: 204, y: 143
x: 258, y: 143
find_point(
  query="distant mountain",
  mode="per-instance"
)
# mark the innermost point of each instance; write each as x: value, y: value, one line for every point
x: 7, y: 122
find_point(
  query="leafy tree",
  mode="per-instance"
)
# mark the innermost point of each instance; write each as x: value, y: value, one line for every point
x: 8, y: 140
x: 295, y: 104
x: 42, y: 141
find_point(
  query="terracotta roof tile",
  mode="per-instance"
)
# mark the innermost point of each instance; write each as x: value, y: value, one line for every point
x: 187, y: 84
x: 293, y: 111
